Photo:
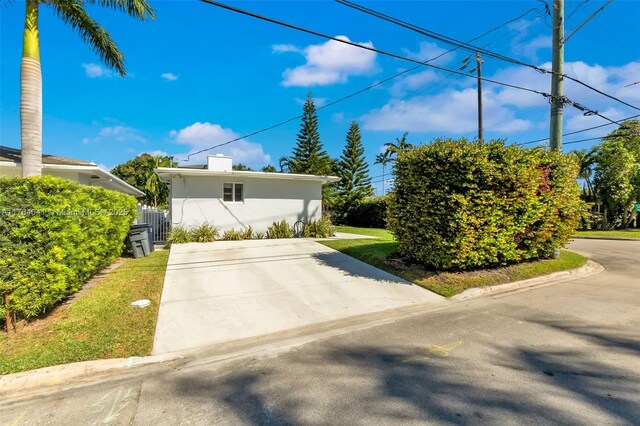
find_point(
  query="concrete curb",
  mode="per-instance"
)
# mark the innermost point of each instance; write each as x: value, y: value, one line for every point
x: 589, y: 237
x: 56, y: 377
x: 590, y: 268
x: 63, y: 377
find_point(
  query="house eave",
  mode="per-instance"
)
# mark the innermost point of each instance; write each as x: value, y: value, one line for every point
x: 166, y: 173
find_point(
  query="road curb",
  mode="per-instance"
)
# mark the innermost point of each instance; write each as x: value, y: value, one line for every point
x: 56, y: 377
x: 590, y: 237
x: 590, y: 268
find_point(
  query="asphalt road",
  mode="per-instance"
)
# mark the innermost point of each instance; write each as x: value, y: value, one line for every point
x: 567, y: 353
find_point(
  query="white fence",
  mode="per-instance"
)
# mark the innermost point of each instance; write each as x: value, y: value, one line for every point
x: 158, y: 219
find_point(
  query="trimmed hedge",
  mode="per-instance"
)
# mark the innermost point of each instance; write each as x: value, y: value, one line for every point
x: 368, y: 213
x: 463, y: 205
x: 54, y: 235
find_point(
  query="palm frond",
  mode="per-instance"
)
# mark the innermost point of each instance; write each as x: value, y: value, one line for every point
x: 139, y: 9
x: 72, y: 12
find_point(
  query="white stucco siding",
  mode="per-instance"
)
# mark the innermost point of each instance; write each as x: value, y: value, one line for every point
x: 198, y: 199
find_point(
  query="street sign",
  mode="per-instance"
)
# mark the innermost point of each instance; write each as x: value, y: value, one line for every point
x: 638, y: 207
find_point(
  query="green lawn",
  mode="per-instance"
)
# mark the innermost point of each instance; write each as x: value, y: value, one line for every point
x: 626, y: 233
x: 376, y: 253
x: 99, y: 324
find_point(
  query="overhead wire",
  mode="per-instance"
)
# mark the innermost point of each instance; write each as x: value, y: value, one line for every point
x: 383, y: 52
x: 449, y: 40
x: 374, y: 85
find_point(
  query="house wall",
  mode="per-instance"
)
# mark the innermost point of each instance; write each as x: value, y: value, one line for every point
x: 198, y: 199
x: 12, y: 171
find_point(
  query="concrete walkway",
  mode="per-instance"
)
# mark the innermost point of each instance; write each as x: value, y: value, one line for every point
x: 229, y: 290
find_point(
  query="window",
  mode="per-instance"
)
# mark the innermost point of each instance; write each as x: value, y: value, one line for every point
x: 233, y: 192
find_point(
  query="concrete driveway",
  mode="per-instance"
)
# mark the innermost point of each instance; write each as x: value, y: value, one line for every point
x: 229, y: 290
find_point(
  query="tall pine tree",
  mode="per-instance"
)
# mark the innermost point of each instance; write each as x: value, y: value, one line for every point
x: 355, y: 182
x: 309, y: 156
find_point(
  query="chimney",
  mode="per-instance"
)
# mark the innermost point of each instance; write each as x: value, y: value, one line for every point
x: 219, y: 163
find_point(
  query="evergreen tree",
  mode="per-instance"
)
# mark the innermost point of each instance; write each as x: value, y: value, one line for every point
x: 355, y: 182
x: 309, y: 156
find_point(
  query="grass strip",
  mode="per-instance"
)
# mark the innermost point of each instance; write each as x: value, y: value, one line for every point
x: 100, y: 324
x: 377, y: 253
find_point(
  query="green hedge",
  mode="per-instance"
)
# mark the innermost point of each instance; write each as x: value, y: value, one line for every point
x: 54, y: 235
x: 368, y: 213
x: 464, y: 205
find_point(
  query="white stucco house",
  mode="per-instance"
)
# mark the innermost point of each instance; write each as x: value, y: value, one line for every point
x: 218, y: 195
x: 81, y: 171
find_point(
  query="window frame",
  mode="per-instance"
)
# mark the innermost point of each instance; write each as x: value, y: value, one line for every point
x: 233, y: 192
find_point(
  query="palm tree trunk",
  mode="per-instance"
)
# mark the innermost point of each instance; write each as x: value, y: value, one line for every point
x: 31, y: 95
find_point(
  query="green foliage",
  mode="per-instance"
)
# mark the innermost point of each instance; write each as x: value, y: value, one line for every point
x: 464, y: 205
x: 394, y: 149
x: 269, y: 169
x: 54, y: 235
x: 139, y: 174
x: 321, y: 228
x: 204, y: 233
x: 279, y: 230
x: 617, y: 174
x: 368, y: 213
x: 233, y: 235
x: 353, y: 170
x: 309, y: 156
x: 178, y: 235
x: 241, y: 167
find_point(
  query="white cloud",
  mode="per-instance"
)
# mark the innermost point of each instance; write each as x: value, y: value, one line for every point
x: 428, y: 51
x: 169, y: 76
x: 284, y: 48
x: 330, y: 62
x: 530, y: 49
x: 448, y: 112
x: 204, y: 135
x: 577, y: 121
x: 155, y: 153
x: 97, y: 71
x: 414, y: 81
x: 116, y: 133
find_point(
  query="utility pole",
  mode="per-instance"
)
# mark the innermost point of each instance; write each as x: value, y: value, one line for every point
x: 479, y: 67
x: 557, y: 89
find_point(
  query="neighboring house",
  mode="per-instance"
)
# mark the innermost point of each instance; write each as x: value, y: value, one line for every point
x: 80, y: 171
x: 227, y: 198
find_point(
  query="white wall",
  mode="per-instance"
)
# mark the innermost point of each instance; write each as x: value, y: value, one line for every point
x: 11, y: 171
x: 198, y: 199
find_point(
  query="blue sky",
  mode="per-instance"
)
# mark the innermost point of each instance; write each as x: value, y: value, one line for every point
x: 200, y: 75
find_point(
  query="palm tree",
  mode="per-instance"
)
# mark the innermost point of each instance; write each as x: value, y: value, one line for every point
x: 586, y: 160
x: 383, y: 159
x: 401, y: 145
x: 73, y: 13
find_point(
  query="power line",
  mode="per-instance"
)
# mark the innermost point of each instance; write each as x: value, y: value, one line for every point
x: 419, y: 64
x: 469, y: 47
x: 579, y: 131
x: 394, y: 55
x: 586, y: 20
x: 360, y: 46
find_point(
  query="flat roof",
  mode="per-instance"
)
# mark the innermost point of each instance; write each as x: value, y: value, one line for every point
x: 183, y: 171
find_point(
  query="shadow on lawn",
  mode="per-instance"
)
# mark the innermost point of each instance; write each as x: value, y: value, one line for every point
x: 344, y: 262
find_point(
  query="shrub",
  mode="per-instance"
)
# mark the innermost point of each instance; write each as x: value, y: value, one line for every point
x: 233, y: 235
x: 54, y: 235
x: 463, y: 205
x: 204, y: 233
x: 368, y: 213
x: 178, y: 235
x: 279, y: 230
x: 321, y: 228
